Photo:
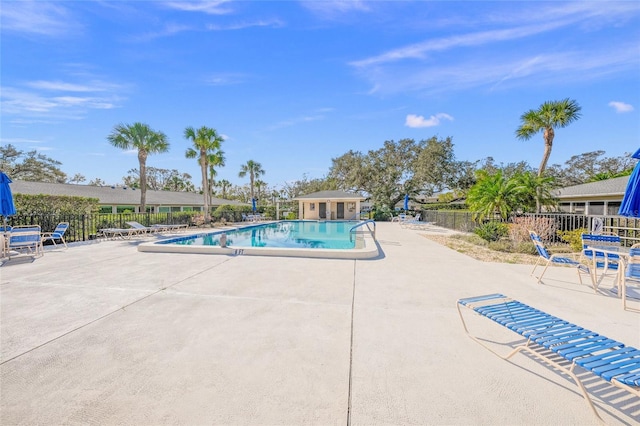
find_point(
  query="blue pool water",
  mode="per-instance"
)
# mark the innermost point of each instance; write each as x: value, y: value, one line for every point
x: 290, y: 234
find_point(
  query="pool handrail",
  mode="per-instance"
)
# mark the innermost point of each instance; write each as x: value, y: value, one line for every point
x: 361, y: 224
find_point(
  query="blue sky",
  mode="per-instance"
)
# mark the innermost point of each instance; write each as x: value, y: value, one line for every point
x: 294, y: 84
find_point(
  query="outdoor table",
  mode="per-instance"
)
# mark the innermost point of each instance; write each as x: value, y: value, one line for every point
x: 623, y: 254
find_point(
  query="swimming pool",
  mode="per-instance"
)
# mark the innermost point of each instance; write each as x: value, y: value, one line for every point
x: 332, y: 239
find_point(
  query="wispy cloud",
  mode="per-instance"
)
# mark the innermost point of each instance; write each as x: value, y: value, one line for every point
x: 493, y: 71
x: 329, y: 8
x: 420, y: 50
x: 18, y: 141
x: 416, y: 121
x: 621, y: 107
x: 271, y: 23
x: 446, y: 62
x: 42, y: 99
x: 167, y: 31
x: 225, y: 79
x: 205, y: 6
x: 37, y: 18
x: 62, y: 86
x: 317, y: 115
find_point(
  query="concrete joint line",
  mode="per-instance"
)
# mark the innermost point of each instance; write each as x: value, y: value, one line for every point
x: 353, y: 300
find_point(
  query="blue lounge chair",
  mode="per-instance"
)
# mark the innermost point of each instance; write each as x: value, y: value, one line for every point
x: 554, y: 259
x: 57, y: 234
x: 609, y: 359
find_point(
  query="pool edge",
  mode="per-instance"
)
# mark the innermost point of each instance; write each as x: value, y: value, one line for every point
x: 369, y: 251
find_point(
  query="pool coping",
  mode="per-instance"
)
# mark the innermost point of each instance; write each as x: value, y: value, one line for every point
x: 369, y: 250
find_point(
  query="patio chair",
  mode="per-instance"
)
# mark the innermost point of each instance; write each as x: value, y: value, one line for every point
x: 160, y: 227
x: 544, y: 256
x: 603, y: 261
x: 141, y: 228
x: 125, y: 233
x: 57, y: 234
x: 549, y: 338
x: 406, y: 220
x: 631, y: 275
x: 399, y: 218
x: 25, y: 238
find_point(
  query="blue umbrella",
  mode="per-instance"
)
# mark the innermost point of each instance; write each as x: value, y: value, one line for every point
x: 6, y: 199
x: 631, y: 202
x: 406, y: 202
x: 253, y: 204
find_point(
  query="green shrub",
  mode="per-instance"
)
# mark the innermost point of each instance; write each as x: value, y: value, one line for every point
x: 501, y: 245
x: 291, y: 216
x: 55, y: 204
x: 492, y: 231
x: 574, y: 238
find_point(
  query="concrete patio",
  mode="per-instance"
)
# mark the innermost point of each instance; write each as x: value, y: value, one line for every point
x: 103, y: 334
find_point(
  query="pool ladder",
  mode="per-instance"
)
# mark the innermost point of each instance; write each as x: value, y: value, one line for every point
x: 366, y: 222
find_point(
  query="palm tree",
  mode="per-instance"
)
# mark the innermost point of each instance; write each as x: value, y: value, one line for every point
x: 260, y: 185
x: 206, y: 142
x: 146, y: 141
x: 215, y: 160
x: 534, y: 191
x: 493, y: 194
x: 224, y: 187
x: 254, y: 170
x: 548, y: 117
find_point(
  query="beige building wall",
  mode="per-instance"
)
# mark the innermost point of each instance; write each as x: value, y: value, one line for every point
x: 310, y: 209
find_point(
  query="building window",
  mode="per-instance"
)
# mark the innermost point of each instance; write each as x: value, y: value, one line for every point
x: 613, y: 208
x: 312, y: 206
x: 565, y: 207
x: 106, y: 209
x: 175, y: 209
x: 596, y: 208
x: 578, y: 208
x: 125, y: 209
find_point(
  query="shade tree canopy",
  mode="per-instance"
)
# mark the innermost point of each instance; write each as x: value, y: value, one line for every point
x: 398, y: 168
x: 30, y: 165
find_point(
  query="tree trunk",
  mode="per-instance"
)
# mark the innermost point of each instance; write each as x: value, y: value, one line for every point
x: 143, y: 182
x: 251, y: 184
x: 205, y: 188
x: 548, y: 144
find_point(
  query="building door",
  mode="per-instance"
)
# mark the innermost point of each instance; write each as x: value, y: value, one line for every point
x: 340, y: 212
x: 322, y: 210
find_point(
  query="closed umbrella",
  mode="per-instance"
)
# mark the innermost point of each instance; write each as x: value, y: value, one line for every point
x: 7, y: 207
x: 406, y: 202
x: 631, y: 202
x: 253, y: 204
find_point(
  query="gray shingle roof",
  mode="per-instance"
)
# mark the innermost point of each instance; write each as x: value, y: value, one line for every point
x: 116, y: 196
x: 332, y: 195
x: 615, y: 186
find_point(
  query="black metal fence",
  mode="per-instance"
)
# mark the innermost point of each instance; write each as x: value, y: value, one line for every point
x: 627, y: 228
x: 83, y: 227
